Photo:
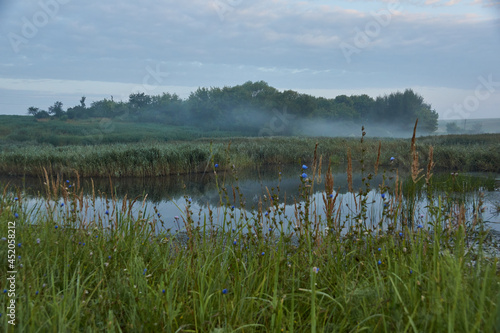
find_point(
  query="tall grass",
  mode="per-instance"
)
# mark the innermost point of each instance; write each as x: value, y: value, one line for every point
x: 161, y: 159
x: 258, y: 271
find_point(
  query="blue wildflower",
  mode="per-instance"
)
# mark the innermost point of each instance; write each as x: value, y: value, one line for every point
x: 62, y: 204
x: 263, y: 253
x: 379, y: 262
x: 109, y: 257
x: 316, y: 270
x: 392, y: 159
x: 69, y: 186
x: 270, y: 229
x: 411, y: 271
x: 163, y: 291
x: 36, y: 293
x: 383, y: 195
x: 401, y: 234
x: 16, y: 215
x: 19, y: 245
x: 159, y: 215
x: 224, y: 291
x: 145, y: 270
x: 379, y: 249
x: 304, y: 175
x: 216, y: 165
x: 420, y: 226
x: 56, y: 227
x: 304, y: 167
x: 234, y: 243
x: 232, y: 207
x: 330, y: 196
x: 106, y: 212
x: 19, y: 257
x: 5, y: 291
x: 67, y: 181
x: 16, y: 198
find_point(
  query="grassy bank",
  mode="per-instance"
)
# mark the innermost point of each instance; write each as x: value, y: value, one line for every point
x: 454, y: 153
x: 258, y: 271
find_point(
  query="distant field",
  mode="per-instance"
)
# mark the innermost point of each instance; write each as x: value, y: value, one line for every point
x: 486, y: 125
x: 25, y: 129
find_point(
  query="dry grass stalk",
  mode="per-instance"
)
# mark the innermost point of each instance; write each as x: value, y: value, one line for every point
x: 319, y: 169
x: 378, y: 157
x: 430, y: 165
x: 415, y: 168
x: 349, y: 170
x: 329, y: 201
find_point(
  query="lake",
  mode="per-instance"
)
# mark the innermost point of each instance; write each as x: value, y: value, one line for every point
x: 163, y: 199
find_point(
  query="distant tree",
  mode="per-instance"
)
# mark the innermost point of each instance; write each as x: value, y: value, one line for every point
x: 82, y: 102
x: 33, y: 111
x: 139, y: 101
x: 42, y: 114
x: 453, y: 128
x: 402, y: 110
x: 56, y: 109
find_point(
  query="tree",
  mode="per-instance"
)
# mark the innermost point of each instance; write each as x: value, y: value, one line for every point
x: 139, y: 100
x: 453, y: 128
x: 33, y: 111
x: 56, y: 109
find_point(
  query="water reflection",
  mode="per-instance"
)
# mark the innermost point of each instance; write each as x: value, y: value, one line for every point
x: 166, y: 197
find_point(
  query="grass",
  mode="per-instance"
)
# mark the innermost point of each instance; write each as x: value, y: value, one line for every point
x: 456, y: 153
x: 259, y: 271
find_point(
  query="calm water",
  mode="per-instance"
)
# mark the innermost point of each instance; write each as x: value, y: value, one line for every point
x: 163, y: 199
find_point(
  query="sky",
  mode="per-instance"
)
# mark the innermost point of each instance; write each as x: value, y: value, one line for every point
x: 60, y: 50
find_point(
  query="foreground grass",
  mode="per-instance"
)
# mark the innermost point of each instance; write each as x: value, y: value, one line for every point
x: 258, y: 271
x: 452, y: 153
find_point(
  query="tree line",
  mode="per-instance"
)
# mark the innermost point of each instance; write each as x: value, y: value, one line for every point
x: 244, y: 108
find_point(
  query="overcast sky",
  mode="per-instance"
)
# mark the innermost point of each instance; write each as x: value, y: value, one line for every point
x: 59, y: 50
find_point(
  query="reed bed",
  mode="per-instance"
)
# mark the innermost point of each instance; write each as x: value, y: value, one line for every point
x: 479, y: 153
x: 258, y: 271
